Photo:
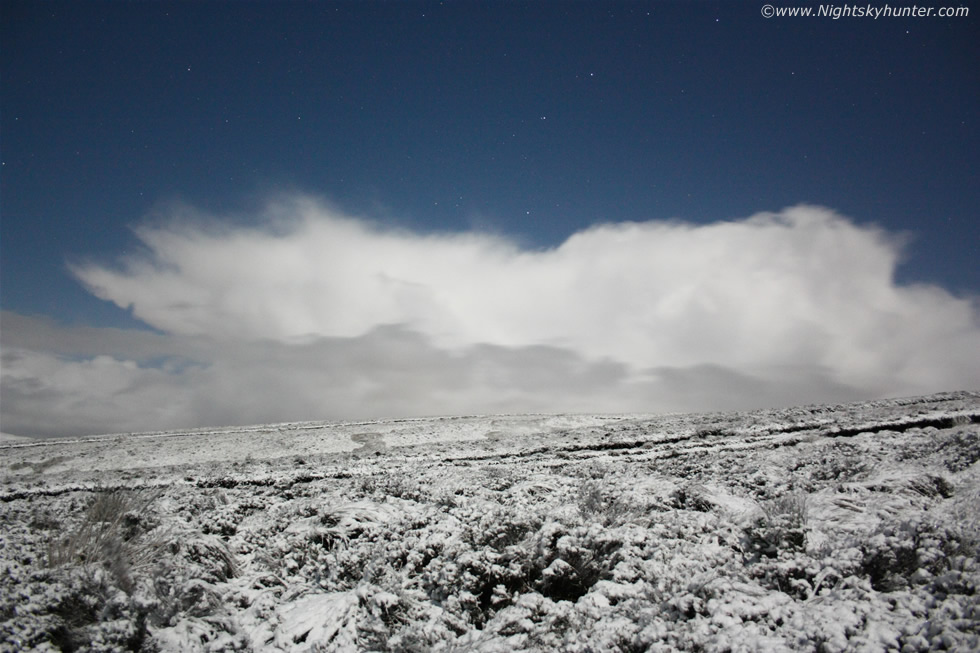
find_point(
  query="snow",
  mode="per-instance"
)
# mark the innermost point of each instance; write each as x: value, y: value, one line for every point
x: 9, y: 438
x: 834, y: 528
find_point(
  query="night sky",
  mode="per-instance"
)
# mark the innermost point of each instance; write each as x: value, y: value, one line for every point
x: 366, y: 206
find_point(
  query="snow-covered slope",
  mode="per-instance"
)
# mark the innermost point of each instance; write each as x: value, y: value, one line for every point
x: 7, y: 438
x: 830, y: 528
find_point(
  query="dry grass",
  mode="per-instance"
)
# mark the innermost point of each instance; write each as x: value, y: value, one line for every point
x: 110, y: 536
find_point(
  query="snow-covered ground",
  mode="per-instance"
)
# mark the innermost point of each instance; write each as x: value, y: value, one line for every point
x: 820, y: 528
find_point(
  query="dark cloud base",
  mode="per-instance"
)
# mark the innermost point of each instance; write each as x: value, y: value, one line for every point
x: 389, y: 372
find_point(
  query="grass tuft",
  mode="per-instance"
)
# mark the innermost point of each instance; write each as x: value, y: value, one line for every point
x: 110, y: 537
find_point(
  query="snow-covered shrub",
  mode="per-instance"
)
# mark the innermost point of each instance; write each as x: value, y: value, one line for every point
x: 960, y: 450
x: 534, y: 623
x: 365, y: 618
x: 568, y: 562
x: 183, y: 590
x: 691, y: 496
x: 396, y: 485
x: 781, y: 527
x: 793, y: 573
x: 595, y: 504
x: 919, y: 551
x: 117, y: 577
x: 85, y: 611
x: 593, y: 469
x: 956, y: 449
x: 841, y: 462
x: 496, y: 526
x: 500, y: 478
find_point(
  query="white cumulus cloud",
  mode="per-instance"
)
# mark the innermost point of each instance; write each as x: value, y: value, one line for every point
x: 307, y: 313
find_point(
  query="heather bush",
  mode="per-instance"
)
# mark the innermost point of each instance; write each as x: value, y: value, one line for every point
x: 919, y: 551
x: 781, y: 527
x: 596, y: 505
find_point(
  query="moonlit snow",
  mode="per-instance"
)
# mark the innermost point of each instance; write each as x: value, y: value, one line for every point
x: 821, y: 528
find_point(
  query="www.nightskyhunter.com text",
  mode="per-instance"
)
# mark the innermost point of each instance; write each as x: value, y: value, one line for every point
x: 836, y: 12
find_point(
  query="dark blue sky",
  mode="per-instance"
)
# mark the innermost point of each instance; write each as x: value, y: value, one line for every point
x: 530, y: 119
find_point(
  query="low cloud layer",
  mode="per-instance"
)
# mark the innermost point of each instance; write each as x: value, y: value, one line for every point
x: 309, y: 314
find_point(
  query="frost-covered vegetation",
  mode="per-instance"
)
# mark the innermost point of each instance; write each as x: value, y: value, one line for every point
x: 830, y: 528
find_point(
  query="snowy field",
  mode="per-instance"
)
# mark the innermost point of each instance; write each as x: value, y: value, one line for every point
x: 821, y: 528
